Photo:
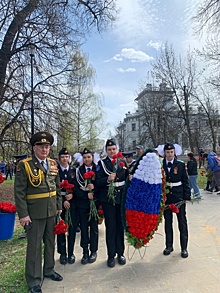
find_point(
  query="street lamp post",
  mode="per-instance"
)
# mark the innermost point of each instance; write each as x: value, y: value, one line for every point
x: 32, y: 47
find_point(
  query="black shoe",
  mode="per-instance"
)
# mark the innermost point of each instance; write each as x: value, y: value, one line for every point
x: 111, y: 262
x: 36, y: 289
x: 92, y: 257
x: 63, y: 259
x: 167, y: 250
x: 55, y: 277
x: 77, y: 229
x: 71, y: 259
x: 85, y: 259
x: 184, y: 253
x: 121, y: 260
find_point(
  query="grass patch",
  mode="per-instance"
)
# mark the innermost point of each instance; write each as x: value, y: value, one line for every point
x: 201, y: 179
x: 12, y: 264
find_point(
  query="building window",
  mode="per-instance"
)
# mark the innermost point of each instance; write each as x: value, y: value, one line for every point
x: 134, y: 144
x: 133, y: 126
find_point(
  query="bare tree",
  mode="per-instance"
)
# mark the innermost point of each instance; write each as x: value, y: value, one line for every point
x: 84, y: 111
x: 207, y: 16
x: 55, y: 29
x: 181, y: 76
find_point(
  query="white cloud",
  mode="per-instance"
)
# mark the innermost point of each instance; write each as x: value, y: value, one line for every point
x: 130, y: 69
x: 131, y: 55
x: 155, y: 45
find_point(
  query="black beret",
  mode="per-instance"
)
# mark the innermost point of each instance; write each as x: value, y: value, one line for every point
x: 42, y: 137
x: 63, y: 151
x: 86, y: 151
x: 128, y: 154
x: 110, y: 142
x: 169, y: 146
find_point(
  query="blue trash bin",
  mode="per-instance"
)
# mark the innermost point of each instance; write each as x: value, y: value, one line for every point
x: 7, y: 223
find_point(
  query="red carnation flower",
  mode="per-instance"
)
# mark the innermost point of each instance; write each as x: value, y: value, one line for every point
x: 174, y: 208
x: 88, y: 175
x: 66, y: 185
x: 122, y: 164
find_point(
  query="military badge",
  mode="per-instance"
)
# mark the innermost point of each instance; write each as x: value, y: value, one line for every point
x: 97, y: 168
x: 175, y: 170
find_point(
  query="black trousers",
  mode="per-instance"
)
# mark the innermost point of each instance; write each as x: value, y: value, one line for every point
x: 89, y: 231
x: 61, y: 238
x: 114, y: 229
x: 182, y: 224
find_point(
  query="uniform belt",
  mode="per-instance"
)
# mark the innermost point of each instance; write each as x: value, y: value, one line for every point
x: 84, y: 188
x: 41, y: 195
x: 118, y: 184
x: 172, y: 184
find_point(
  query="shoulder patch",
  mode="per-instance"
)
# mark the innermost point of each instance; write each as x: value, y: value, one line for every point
x: 97, y: 168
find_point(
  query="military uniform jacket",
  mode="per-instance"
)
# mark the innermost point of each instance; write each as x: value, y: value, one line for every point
x: 69, y: 175
x: 37, y: 191
x: 82, y: 200
x: 177, y: 174
x: 102, y: 184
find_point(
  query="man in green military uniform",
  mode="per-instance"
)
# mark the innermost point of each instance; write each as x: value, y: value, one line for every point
x: 38, y: 200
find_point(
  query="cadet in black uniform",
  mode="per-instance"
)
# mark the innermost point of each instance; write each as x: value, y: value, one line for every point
x: 178, y: 185
x: 112, y: 212
x: 69, y: 202
x: 85, y: 192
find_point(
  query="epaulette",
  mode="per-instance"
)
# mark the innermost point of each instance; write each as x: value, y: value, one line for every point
x: 26, y: 160
x: 180, y: 161
x: 52, y: 160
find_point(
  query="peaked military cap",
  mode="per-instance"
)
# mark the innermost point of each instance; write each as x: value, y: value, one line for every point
x: 42, y: 137
x: 86, y: 151
x: 169, y: 146
x: 139, y: 146
x: 110, y: 142
x: 128, y: 154
x: 63, y: 151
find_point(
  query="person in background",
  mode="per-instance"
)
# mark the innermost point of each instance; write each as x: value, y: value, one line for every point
x: 209, y: 176
x: 110, y: 171
x: 201, y: 158
x: 178, y: 191
x: 139, y: 151
x: 85, y: 192
x: 38, y: 200
x: 66, y: 172
x: 215, y: 167
x: 193, y: 174
x: 9, y: 169
x: 129, y: 157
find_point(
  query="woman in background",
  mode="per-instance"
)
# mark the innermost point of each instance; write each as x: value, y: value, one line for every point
x: 193, y: 174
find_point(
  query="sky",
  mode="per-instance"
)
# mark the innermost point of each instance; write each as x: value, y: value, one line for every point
x: 122, y: 55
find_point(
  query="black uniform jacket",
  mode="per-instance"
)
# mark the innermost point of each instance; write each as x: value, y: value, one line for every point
x: 192, y: 167
x: 69, y: 175
x: 82, y: 199
x: 101, y: 180
x: 177, y: 174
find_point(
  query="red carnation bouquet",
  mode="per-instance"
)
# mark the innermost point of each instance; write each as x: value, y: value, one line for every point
x: 61, y: 227
x: 88, y: 176
x: 7, y: 207
x: 115, y: 161
x: 69, y: 189
x: 2, y: 178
